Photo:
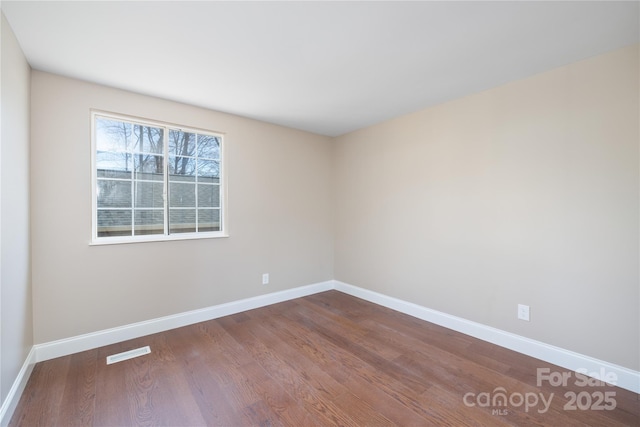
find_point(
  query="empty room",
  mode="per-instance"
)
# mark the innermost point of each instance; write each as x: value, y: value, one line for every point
x: 354, y: 213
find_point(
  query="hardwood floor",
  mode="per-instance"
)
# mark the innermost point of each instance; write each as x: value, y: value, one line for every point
x: 322, y: 360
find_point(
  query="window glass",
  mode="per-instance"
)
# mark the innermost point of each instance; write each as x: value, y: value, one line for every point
x: 154, y: 179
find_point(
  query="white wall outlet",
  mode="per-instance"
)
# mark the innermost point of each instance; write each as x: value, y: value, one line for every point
x: 523, y: 312
x: 265, y: 279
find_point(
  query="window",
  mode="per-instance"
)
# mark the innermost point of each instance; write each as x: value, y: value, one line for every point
x: 155, y: 181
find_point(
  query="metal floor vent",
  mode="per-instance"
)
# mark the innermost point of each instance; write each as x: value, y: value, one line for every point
x: 114, y: 358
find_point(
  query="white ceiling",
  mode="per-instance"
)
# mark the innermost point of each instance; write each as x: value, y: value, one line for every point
x: 324, y: 67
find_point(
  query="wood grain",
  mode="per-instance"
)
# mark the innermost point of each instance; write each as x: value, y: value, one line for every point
x: 322, y: 360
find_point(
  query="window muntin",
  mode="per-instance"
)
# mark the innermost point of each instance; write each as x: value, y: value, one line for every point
x: 155, y: 181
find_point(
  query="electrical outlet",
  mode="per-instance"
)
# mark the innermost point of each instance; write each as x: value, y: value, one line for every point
x: 265, y: 279
x: 523, y: 312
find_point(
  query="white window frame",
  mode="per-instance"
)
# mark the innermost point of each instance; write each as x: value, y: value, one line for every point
x: 106, y: 240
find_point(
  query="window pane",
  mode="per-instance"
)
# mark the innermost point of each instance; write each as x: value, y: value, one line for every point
x: 148, y: 194
x: 113, y: 194
x: 182, y: 168
x: 113, y: 135
x: 208, y: 196
x: 208, y: 220
x: 149, y: 222
x: 113, y: 165
x: 208, y: 168
x: 182, y: 143
x: 182, y: 195
x: 182, y: 221
x: 208, y: 147
x: 148, y: 167
x: 210, y: 180
x: 148, y: 139
x: 143, y: 185
x: 114, y: 223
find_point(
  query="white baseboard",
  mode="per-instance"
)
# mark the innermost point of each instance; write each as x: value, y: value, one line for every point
x: 626, y: 378
x: 97, y: 339
x: 13, y: 397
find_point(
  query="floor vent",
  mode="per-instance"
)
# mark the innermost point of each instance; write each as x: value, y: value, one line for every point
x: 114, y: 358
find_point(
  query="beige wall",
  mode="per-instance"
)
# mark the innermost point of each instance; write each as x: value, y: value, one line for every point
x: 16, y: 330
x: 279, y: 217
x: 526, y: 193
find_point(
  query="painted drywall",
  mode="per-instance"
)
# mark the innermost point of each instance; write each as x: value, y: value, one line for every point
x: 526, y: 193
x: 279, y: 217
x: 16, y: 333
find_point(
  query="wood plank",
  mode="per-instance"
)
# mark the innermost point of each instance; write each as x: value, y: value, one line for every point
x: 78, y: 399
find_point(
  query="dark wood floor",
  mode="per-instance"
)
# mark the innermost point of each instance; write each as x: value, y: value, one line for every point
x: 323, y: 360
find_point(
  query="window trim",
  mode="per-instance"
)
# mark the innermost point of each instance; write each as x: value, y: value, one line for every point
x: 223, y: 232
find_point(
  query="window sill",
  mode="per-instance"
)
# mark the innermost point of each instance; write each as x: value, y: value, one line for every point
x: 147, y: 239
